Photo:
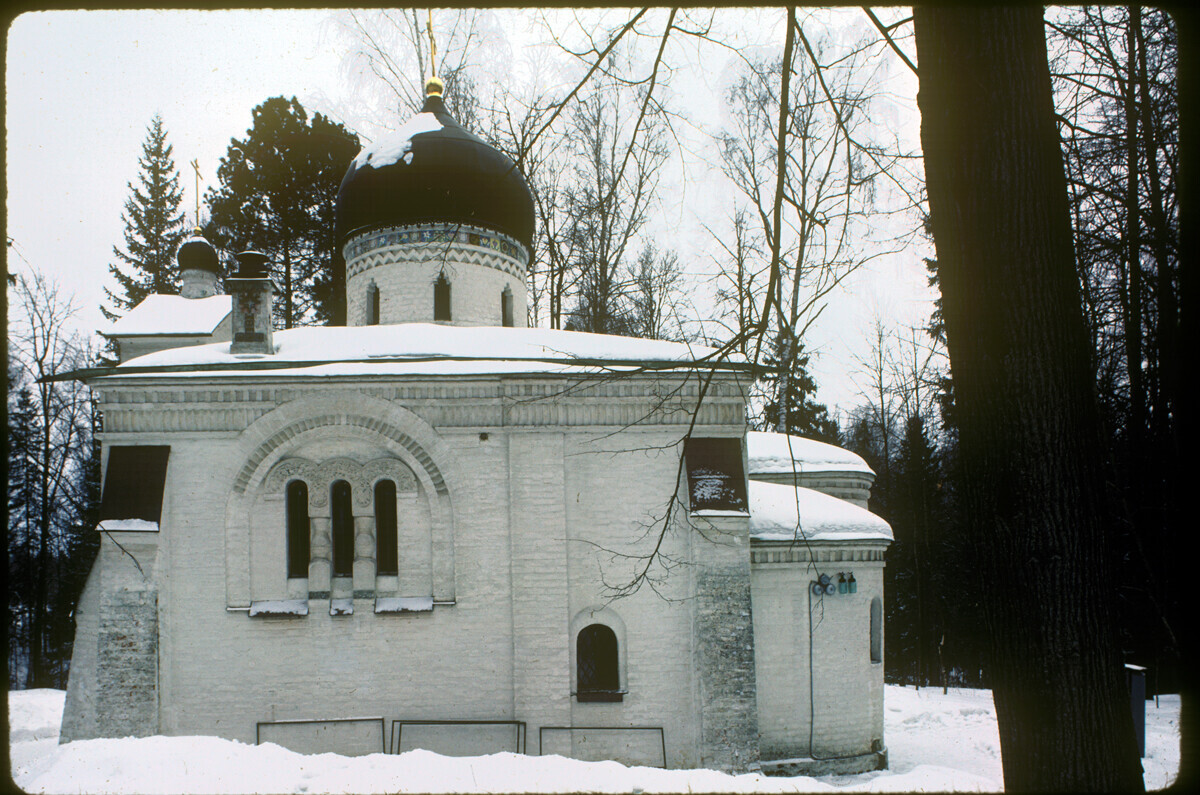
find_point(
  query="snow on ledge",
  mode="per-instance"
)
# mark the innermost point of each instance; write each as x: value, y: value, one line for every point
x: 779, y: 453
x: 404, y: 604
x: 718, y: 512
x: 279, y: 607
x: 773, y: 516
x: 341, y: 607
x: 128, y: 525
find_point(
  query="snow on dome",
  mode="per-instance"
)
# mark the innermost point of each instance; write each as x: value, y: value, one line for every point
x: 822, y: 518
x: 772, y: 453
x: 425, y: 348
x: 172, y: 314
x: 396, y: 146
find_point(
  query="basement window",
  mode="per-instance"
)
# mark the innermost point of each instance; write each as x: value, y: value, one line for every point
x: 597, y: 671
x: 716, y: 476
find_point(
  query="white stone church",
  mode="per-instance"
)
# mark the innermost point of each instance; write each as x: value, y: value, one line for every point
x: 407, y: 532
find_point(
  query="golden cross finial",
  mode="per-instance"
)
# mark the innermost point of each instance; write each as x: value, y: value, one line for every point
x: 432, y: 47
x: 196, y: 167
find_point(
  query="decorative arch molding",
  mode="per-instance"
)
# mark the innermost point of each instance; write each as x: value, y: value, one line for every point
x: 361, y: 477
x: 420, y: 461
x: 395, y: 423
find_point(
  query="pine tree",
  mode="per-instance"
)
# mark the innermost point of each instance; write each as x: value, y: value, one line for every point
x: 803, y: 416
x: 153, y: 228
x: 277, y: 195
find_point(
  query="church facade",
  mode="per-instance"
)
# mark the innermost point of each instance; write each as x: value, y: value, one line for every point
x: 437, y: 528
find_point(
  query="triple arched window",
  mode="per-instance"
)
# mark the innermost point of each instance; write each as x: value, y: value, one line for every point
x: 342, y: 531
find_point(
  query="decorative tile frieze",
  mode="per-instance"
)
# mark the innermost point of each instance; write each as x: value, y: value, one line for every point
x: 432, y: 234
x: 801, y: 552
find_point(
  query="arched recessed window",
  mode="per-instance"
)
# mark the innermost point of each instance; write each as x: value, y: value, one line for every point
x: 385, y: 528
x: 441, y: 298
x: 596, y: 664
x: 506, y: 307
x: 343, y: 529
x: 297, y: 529
x: 372, y: 304
x: 876, y: 630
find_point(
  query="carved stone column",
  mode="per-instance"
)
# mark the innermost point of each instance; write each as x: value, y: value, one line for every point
x: 364, y: 555
x: 320, y: 563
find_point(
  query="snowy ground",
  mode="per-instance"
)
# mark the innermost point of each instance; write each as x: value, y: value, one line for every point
x: 935, y: 743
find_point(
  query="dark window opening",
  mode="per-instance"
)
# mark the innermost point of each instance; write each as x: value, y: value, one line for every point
x: 297, y: 528
x: 133, y: 482
x: 876, y: 630
x: 441, y: 298
x: 716, y: 476
x: 506, y: 307
x: 372, y: 304
x: 385, y: 528
x: 343, y: 529
x: 596, y: 664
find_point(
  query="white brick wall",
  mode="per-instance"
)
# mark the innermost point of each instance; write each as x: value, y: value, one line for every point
x: 521, y: 540
x: 847, y: 687
x: 406, y: 282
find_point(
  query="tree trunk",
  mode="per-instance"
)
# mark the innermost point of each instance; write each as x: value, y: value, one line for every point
x: 1181, y: 572
x: 1029, y: 427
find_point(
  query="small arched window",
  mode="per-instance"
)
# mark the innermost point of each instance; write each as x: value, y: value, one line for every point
x: 596, y: 664
x: 343, y: 529
x: 385, y: 528
x: 372, y: 304
x: 297, y: 529
x: 506, y: 307
x: 441, y: 298
x: 876, y: 630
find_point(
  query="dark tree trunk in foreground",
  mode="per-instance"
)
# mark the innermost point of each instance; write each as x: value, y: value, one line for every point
x: 1029, y: 428
x: 1182, y: 597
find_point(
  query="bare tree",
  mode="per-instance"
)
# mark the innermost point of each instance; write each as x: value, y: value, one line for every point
x: 617, y: 157
x: 823, y: 170
x: 51, y: 426
x: 391, y: 57
x: 656, y: 295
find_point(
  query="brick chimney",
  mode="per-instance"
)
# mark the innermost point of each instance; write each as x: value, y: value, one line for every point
x: 252, y: 291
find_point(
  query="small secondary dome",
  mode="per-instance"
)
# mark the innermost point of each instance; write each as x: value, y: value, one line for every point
x: 432, y: 170
x: 196, y: 253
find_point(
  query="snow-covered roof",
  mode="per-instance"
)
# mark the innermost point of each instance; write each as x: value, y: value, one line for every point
x: 172, y: 314
x: 420, y: 349
x: 395, y: 145
x: 773, y: 512
x: 774, y: 453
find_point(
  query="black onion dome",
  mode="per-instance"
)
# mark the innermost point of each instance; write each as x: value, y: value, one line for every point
x: 448, y: 175
x: 196, y: 253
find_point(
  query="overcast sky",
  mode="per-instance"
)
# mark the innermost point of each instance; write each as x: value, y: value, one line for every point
x: 82, y: 87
